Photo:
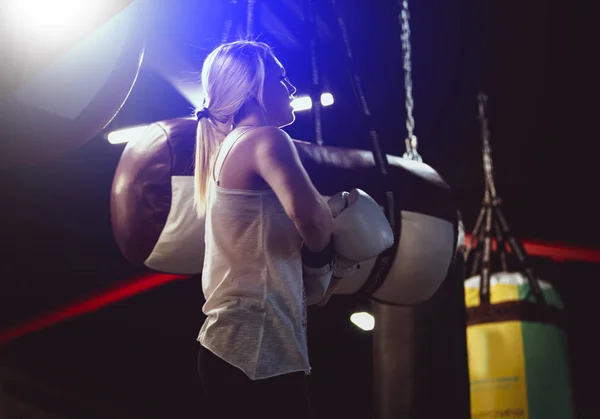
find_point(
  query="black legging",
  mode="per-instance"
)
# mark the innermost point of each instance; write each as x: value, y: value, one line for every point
x: 229, y: 393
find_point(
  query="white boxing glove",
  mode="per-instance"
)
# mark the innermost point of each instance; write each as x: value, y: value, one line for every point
x: 338, y: 203
x: 361, y: 231
x: 317, y: 271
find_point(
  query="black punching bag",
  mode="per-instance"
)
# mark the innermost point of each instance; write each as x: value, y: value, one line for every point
x: 420, y: 363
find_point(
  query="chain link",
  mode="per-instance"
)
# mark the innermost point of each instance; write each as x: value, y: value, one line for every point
x: 250, y: 20
x: 411, y: 138
x: 490, y: 187
x: 231, y: 12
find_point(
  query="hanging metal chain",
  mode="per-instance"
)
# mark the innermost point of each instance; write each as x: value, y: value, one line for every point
x: 490, y: 187
x: 384, y: 261
x: 495, y: 219
x: 250, y: 19
x: 356, y: 83
x: 411, y: 138
x: 310, y: 17
x: 230, y: 10
x: 490, y: 195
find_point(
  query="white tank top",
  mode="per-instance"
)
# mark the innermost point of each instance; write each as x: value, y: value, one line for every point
x: 252, y: 280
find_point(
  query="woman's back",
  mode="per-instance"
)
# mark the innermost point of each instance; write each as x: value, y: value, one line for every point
x: 252, y: 277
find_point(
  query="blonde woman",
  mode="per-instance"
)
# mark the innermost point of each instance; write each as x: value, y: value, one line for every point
x: 263, y: 217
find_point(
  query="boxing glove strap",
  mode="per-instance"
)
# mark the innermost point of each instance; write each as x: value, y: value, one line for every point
x: 317, y: 260
x: 384, y: 261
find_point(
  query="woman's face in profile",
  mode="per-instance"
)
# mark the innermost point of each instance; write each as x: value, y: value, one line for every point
x: 278, y: 93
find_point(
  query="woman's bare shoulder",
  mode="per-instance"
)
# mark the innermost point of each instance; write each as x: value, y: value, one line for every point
x: 268, y: 140
x: 266, y: 134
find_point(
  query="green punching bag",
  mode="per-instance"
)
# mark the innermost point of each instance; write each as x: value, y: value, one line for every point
x: 516, y: 342
x: 518, y: 355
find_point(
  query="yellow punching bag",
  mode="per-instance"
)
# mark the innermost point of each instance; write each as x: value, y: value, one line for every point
x: 518, y: 361
x: 516, y: 343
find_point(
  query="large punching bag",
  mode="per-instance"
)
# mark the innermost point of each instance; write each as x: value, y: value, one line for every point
x: 421, y: 365
x: 155, y: 225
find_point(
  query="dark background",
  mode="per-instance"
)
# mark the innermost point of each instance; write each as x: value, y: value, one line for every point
x: 139, y: 354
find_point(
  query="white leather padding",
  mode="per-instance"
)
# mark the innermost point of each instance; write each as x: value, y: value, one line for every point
x: 180, y: 247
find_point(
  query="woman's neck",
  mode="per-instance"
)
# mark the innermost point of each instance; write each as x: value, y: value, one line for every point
x: 251, y: 115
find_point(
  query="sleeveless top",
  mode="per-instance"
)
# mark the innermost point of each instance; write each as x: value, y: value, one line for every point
x: 252, y: 280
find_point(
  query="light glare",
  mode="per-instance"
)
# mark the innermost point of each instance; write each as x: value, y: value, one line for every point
x: 127, y: 134
x: 363, y: 320
x: 326, y: 99
x: 304, y: 103
x: 52, y: 21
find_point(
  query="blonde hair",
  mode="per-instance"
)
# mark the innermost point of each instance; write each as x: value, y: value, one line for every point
x: 232, y: 74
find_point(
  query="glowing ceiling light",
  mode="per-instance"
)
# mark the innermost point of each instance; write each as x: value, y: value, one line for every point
x: 363, y: 320
x: 304, y: 103
x: 126, y: 134
x: 52, y: 21
x: 326, y: 99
